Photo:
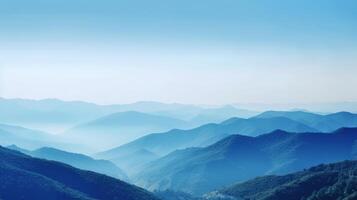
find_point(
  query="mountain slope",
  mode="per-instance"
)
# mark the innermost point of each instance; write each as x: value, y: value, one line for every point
x: 134, y: 161
x: 122, y: 127
x: 332, y: 181
x: 24, y: 177
x: 323, y: 123
x: 163, y: 143
x: 80, y: 161
x: 19, y: 149
x: 238, y: 158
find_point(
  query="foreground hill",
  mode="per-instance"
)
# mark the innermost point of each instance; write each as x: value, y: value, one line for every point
x: 121, y: 127
x: 323, y: 182
x: 25, y: 177
x: 79, y: 161
x: 323, y: 123
x: 163, y: 143
x: 238, y: 158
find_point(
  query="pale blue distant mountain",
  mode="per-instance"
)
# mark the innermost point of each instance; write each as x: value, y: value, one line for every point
x: 29, y: 138
x: 173, y: 110
x: 195, y: 114
x: 311, y: 107
x: 163, y: 143
x: 56, y: 115
x: 26, y: 177
x: 122, y: 127
x: 238, y: 158
x: 53, y: 115
x: 216, y: 115
x: 324, y: 123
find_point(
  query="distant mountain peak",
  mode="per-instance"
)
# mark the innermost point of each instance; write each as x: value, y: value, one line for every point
x: 232, y: 120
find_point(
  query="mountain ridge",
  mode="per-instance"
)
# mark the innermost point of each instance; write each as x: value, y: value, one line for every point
x: 25, y: 177
x: 328, y: 181
x: 327, y: 123
x: 193, y: 170
x: 204, y: 135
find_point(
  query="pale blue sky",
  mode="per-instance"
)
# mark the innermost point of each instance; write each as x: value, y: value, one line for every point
x: 202, y: 51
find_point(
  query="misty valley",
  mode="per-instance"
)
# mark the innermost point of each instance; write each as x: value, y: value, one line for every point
x: 53, y: 149
x: 178, y: 100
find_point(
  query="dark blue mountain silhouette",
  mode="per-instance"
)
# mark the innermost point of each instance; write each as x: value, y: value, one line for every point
x: 25, y: 177
x: 80, y: 161
x: 332, y: 181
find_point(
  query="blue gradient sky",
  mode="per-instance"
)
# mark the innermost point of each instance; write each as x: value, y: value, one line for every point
x: 202, y: 51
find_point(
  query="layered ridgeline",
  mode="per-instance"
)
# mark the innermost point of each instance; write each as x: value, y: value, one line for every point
x: 53, y: 115
x: 238, y: 158
x: 122, y: 127
x: 323, y: 123
x: 323, y: 182
x: 133, y: 162
x: 162, y: 143
x: 50, y: 115
x: 76, y: 160
x: 25, y: 177
x: 220, y: 114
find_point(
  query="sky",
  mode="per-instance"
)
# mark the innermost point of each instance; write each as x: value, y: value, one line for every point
x: 184, y: 51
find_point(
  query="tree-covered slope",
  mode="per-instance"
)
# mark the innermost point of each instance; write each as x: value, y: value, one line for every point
x: 239, y: 158
x: 322, y: 182
x: 25, y: 177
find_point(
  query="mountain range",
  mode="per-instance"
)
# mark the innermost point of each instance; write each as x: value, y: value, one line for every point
x: 25, y: 177
x: 50, y: 115
x: 163, y: 143
x: 120, y: 128
x: 177, y: 151
x: 238, y: 158
x: 56, y: 116
x: 292, y: 121
x: 323, y: 123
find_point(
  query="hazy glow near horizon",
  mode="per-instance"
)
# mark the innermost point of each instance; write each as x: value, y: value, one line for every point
x: 204, y: 52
